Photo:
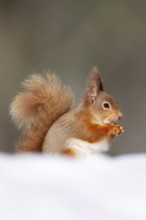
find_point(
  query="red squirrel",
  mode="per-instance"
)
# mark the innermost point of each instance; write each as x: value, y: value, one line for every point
x: 44, y: 110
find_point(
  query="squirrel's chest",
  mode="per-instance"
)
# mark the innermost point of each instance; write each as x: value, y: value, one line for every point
x: 80, y: 147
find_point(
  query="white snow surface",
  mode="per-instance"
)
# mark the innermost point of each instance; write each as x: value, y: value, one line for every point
x: 41, y: 187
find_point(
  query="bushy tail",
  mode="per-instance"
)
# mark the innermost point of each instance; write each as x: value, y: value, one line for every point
x: 42, y: 102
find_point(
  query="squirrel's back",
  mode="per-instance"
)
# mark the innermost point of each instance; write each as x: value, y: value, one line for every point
x: 42, y: 102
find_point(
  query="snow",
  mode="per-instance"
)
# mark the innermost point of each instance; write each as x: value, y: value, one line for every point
x: 36, y: 187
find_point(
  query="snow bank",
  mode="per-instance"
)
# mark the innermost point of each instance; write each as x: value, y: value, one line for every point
x: 40, y: 187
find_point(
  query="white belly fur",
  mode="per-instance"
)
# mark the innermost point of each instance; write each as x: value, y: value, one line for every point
x: 85, y: 148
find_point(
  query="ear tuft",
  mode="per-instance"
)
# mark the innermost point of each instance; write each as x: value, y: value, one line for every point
x: 95, y: 76
x: 95, y: 70
x: 94, y: 86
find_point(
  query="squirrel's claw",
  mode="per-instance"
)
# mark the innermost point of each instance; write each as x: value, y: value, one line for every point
x: 118, y: 129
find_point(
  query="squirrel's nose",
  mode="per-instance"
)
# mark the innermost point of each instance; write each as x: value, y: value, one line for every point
x: 120, y: 116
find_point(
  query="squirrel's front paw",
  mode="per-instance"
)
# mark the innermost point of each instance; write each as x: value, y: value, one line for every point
x: 117, y: 130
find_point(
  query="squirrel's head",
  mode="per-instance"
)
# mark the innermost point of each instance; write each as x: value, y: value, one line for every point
x: 101, y: 105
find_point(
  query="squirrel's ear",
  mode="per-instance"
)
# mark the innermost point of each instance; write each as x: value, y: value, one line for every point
x: 94, y: 86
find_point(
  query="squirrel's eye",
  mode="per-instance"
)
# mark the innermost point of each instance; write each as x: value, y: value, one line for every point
x: 106, y: 105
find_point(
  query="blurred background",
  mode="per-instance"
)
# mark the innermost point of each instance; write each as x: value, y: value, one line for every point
x: 69, y: 37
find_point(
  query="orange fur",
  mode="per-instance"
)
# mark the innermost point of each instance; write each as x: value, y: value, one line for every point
x: 44, y: 111
x: 69, y: 152
x: 43, y: 100
x: 96, y: 131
